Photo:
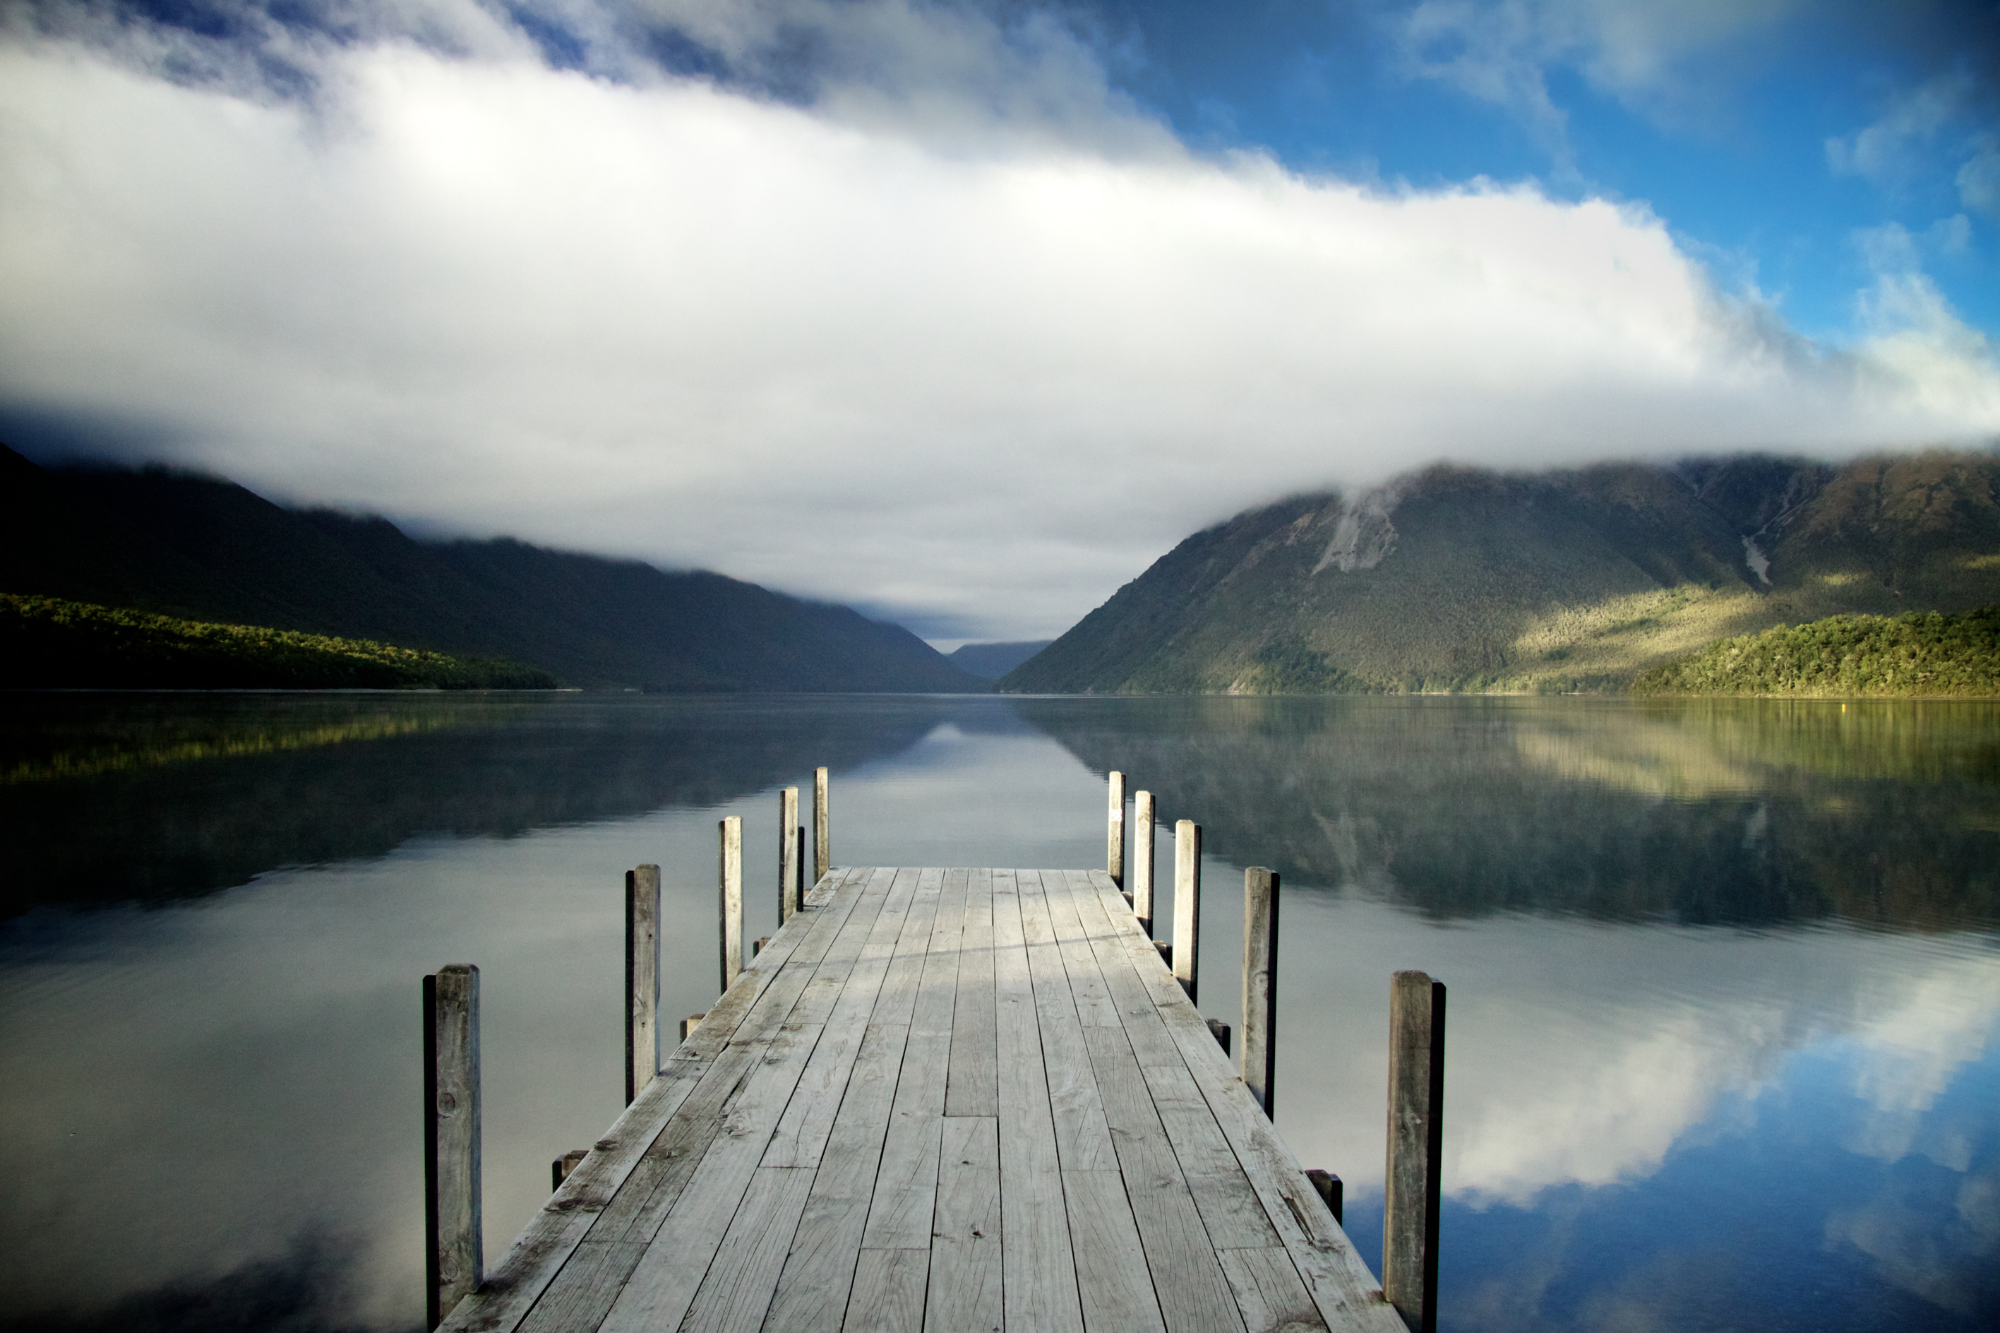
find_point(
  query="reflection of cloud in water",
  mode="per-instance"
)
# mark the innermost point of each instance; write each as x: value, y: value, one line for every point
x: 1592, y: 1069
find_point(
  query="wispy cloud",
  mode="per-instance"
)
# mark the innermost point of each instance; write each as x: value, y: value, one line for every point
x: 889, y: 303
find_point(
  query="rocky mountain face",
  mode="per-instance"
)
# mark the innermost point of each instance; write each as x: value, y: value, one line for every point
x: 1460, y: 579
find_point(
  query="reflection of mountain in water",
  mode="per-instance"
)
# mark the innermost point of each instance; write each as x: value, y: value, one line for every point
x: 109, y: 798
x: 1701, y: 811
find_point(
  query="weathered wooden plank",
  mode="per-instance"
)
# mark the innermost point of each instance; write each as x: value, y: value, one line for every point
x: 808, y: 1120
x: 594, y: 1276
x: 965, y: 1263
x: 1230, y: 1209
x: 736, y: 1290
x: 1342, y: 1288
x: 1094, y: 1006
x: 888, y: 1295
x: 663, y: 1285
x: 1269, y: 1292
x: 969, y: 1088
x: 1130, y: 997
x: 1111, y: 1274
x: 1194, y: 1295
x: 1083, y: 1140
x: 1039, y: 1265
x: 813, y: 1289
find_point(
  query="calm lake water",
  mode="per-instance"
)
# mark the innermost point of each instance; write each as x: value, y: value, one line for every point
x: 1724, y: 1035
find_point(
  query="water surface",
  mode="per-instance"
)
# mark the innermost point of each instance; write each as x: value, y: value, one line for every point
x: 1724, y: 976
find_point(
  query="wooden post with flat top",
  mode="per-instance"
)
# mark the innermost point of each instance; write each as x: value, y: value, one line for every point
x: 1142, y: 859
x: 1187, y: 903
x: 788, y: 851
x: 822, y: 836
x: 454, y: 1251
x: 1260, y: 984
x: 642, y: 979
x: 730, y: 878
x: 1114, y: 838
x: 1416, y: 1138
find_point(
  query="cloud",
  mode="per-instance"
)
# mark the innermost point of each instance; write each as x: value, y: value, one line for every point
x: 935, y: 322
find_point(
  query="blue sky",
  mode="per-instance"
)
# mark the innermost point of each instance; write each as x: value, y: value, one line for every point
x: 966, y: 312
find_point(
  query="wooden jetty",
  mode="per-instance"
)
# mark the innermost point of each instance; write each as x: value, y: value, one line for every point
x: 944, y: 1099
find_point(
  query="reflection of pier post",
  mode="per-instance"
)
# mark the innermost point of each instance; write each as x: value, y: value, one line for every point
x: 454, y: 1253
x: 1416, y: 1137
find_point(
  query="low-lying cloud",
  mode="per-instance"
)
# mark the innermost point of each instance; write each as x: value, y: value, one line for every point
x: 970, y: 349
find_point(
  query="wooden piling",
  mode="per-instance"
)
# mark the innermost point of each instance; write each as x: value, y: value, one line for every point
x: 1331, y: 1192
x: 822, y: 840
x: 560, y: 1168
x: 1416, y: 1137
x: 642, y: 979
x: 788, y: 852
x: 454, y: 1252
x: 689, y: 1024
x: 1142, y: 859
x: 1220, y: 1031
x: 1114, y: 838
x: 1187, y: 903
x: 1260, y: 984
x: 730, y: 877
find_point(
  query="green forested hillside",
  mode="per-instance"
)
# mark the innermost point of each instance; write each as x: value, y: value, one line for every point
x: 1919, y: 653
x: 1454, y: 579
x: 202, y: 549
x: 46, y: 642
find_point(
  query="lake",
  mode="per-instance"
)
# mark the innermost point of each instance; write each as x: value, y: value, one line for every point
x: 1724, y: 1022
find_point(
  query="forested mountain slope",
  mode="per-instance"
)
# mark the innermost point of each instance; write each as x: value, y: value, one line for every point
x: 1459, y: 579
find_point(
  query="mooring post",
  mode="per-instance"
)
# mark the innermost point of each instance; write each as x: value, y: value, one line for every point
x: 822, y: 843
x: 560, y: 1168
x: 1260, y: 984
x: 730, y: 876
x: 642, y: 979
x: 1187, y: 902
x: 1331, y: 1191
x: 1114, y: 839
x: 1416, y: 1138
x: 788, y: 851
x: 454, y: 1256
x: 1142, y: 859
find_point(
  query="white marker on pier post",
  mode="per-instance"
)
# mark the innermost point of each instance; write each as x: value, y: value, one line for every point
x: 1260, y: 983
x: 642, y: 979
x: 822, y: 834
x: 454, y: 1252
x: 730, y: 882
x: 1187, y: 903
x: 1114, y: 838
x: 788, y: 851
x: 1142, y: 859
x: 1416, y: 1138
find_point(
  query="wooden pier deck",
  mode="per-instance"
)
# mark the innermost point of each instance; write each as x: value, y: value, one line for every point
x: 943, y: 1100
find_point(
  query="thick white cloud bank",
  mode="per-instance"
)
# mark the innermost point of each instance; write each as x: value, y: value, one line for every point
x: 924, y: 351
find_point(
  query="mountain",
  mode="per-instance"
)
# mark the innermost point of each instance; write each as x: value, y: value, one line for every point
x: 990, y: 661
x: 204, y: 549
x: 1460, y: 579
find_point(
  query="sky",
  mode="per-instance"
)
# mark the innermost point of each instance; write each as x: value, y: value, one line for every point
x: 964, y: 313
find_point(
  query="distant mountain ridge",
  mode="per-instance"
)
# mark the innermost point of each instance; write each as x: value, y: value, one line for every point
x: 206, y: 549
x: 990, y: 661
x: 1462, y: 579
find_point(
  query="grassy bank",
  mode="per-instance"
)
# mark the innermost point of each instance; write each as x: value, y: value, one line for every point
x: 49, y: 643
x: 1921, y: 653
